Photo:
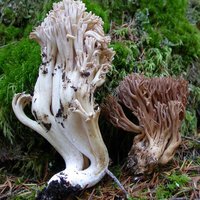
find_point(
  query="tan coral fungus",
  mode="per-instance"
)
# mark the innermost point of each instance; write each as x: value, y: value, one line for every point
x: 159, y: 104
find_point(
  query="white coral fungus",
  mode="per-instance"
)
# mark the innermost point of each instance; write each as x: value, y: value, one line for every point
x: 75, y: 60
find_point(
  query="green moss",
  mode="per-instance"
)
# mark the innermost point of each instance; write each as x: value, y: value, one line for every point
x: 169, y: 19
x: 19, y: 64
x: 9, y: 34
x: 18, y: 67
x: 45, y: 7
x: 175, y: 182
x: 124, y: 58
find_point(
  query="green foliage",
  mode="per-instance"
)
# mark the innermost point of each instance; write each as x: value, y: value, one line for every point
x: 189, y: 125
x: 119, y: 10
x: 135, y: 53
x: 19, y: 12
x: 45, y: 7
x: 193, y: 12
x: 8, y: 34
x: 168, y: 18
x: 138, y: 198
x: 175, y: 182
x: 23, y: 57
x: 33, y: 164
x: 193, y: 76
x: 163, y: 20
x: 21, y: 190
x: 124, y: 58
x: 19, y: 67
x: 117, y: 171
x: 17, y: 17
x: 5, y: 126
x: 29, y: 192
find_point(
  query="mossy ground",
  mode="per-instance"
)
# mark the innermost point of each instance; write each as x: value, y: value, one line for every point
x: 177, y: 180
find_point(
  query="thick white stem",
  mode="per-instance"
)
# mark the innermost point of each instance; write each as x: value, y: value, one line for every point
x: 60, y: 143
x: 94, y: 149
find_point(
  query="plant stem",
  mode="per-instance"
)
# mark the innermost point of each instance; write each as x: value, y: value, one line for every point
x: 117, y: 182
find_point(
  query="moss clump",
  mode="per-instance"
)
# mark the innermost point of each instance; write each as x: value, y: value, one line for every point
x: 9, y: 34
x: 18, y: 69
x: 169, y: 19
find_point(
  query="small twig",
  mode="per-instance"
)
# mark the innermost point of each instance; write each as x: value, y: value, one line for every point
x: 11, y: 43
x: 181, y: 192
x: 189, y: 138
x: 117, y: 182
x: 91, y: 195
x: 46, y: 171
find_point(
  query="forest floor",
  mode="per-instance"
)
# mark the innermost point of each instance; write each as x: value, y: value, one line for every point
x: 180, y: 180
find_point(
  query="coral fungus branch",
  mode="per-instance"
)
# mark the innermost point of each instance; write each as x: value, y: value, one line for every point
x: 159, y: 104
x: 75, y: 60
